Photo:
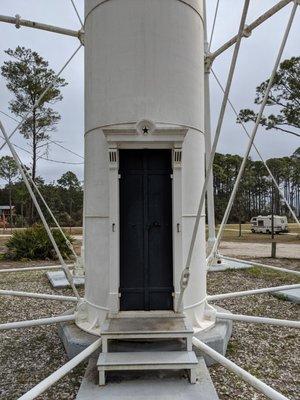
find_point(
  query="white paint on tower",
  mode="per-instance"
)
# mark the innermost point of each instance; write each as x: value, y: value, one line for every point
x: 144, y: 60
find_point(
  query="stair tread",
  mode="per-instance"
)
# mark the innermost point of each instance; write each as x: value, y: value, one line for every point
x: 148, y: 358
x: 146, y: 314
x: 146, y: 326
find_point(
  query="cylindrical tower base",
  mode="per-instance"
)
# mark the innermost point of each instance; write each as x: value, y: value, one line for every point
x: 144, y: 89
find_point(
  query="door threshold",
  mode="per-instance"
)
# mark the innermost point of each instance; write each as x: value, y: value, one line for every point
x: 146, y: 314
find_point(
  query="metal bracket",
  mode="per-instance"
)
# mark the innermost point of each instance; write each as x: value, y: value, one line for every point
x: 81, y: 36
x: 247, y: 32
x: 208, y: 61
x: 210, y: 315
x: 79, y: 267
x: 18, y: 19
x: 185, y: 277
x: 81, y: 311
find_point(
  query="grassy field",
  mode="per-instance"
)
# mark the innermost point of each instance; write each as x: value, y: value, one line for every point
x: 231, y: 233
x: 74, y: 230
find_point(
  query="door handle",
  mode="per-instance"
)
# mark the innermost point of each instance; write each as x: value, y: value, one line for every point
x: 156, y: 224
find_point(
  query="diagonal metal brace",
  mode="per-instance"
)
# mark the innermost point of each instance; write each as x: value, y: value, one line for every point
x: 249, y: 28
x: 18, y: 22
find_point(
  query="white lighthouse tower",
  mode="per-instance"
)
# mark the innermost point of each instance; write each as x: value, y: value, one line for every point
x: 146, y: 135
x: 144, y: 171
x: 144, y: 152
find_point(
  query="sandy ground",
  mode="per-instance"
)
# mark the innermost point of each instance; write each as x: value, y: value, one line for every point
x: 247, y: 231
x: 254, y: 250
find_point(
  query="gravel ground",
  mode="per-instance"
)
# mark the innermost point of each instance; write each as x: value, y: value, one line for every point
x: 29, y: 355
x: 270, y: 353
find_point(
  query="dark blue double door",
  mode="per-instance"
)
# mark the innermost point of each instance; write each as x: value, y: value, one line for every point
x: 146, y: 262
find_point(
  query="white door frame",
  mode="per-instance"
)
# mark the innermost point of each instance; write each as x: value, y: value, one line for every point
x: 128, y: 137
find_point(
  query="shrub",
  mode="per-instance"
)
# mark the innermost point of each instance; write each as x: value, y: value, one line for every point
x: 33, y: 243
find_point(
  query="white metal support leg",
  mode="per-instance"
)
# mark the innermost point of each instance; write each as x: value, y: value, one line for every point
x: 193, y: 375
x: 207, y: 125
x: 101, y: 377
x: 189, y: 344
x: 210, y: 185
x: 104, y: 345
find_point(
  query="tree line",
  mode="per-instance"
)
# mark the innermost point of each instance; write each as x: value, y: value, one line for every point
x: 27, y: 76
x: 256, y: 193
x: 255, y: 196
x: 64, y: 197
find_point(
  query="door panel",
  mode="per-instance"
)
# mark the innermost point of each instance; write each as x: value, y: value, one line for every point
x: 131, y: 250
x: 146, y: 265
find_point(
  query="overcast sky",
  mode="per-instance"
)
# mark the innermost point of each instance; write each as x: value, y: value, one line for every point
x: 255, y: 62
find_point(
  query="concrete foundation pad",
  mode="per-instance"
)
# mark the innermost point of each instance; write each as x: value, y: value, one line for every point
x: 59, y: 280
x: 227, y: 264
x: 292, y: 295
x: 74, y: 339
x: 217, y: 337
x: 147, y: 385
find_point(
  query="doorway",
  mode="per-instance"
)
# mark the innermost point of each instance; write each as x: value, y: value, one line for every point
x: 146, y: 248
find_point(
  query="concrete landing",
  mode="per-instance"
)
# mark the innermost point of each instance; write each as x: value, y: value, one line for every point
x: 227, y: 264
x: 147, y: 385
x: 150, y: 325
x: 292, y: 295
x: 59, y: 280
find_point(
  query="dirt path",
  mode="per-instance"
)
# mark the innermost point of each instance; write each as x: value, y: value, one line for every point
x: 255, y: 250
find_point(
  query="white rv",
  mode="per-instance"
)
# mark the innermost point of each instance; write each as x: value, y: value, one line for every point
x: 263, y: 224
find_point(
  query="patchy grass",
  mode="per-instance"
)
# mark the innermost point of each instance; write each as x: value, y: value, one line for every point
x: 231, y: 234
x: 249, y: 237
x: 270, y: 274
x: 232, y: 347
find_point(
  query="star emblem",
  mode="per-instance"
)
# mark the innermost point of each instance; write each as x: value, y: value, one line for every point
x: 145, y: 130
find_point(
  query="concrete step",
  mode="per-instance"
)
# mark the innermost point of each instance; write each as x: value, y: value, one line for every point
x: 146, y: 328
x: 168, y: 360
x: 146, y: 314
x: 146, y: 359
